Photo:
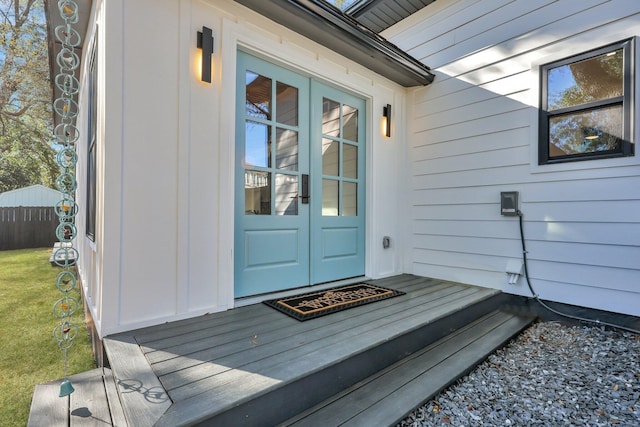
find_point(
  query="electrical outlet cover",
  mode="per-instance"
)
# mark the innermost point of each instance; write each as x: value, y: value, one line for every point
x: 514, y: 266
x: 509, y: 203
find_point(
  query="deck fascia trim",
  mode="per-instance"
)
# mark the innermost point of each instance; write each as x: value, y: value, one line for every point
x: 143, y: 398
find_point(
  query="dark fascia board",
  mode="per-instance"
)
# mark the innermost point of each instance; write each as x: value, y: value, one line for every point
x: 361, y: 7
x: 328, y: 26
x: 368, y: 11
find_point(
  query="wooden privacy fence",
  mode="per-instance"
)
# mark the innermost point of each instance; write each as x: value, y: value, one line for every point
x: 27, y: 227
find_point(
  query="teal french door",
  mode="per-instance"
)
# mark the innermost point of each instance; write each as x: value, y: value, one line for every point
x: 300, y: 176
x: 338, y: 165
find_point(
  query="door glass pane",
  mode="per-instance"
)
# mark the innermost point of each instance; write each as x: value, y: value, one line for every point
x: 329, y: 197
x: 286, y: 149
x: 286, y: 194
x: 257, y: 192
x: 258, y: 102
x: 349, y: 199
x: 330, y: 117
x: 330, y: 157
x: 286, y: 104
x: 349, y: 161
x: 586, y: 132
x: 593, y: 79
x: 349, y: 123
x: 257, y: 147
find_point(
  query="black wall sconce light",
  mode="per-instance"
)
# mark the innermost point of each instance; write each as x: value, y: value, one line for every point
x: 386, y: 122
x: 205, y: 42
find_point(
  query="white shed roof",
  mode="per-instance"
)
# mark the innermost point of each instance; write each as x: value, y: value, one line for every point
x: 34, y: 195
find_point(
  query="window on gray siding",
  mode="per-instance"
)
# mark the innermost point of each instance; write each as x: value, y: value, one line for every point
x: 585, y: 106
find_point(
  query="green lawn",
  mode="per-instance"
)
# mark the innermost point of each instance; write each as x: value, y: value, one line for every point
x: 28, y: 353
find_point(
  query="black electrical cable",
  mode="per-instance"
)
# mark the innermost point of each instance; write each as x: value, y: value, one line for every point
x: 537, y: 298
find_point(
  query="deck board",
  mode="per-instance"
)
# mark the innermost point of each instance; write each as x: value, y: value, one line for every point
x: 190, y: 339
x: 200, y: 349
x: 224, y: 345
x: 143, y: 398
x: 47, y: 409
x: 87, y: 404
x: 368, y: 327
x: 115, y: 407
x: 184, y: 337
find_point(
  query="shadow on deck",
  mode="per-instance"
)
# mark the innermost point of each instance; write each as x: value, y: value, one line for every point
x: 369, y: 365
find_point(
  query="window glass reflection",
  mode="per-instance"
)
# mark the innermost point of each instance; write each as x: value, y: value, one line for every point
x: 286, y: 198
x: 257, y: 144
x: 330, y: 157
x: 349, y: 161
x: 330, y: 197
x: 286, y: 149
x: 258, y: 102
x: 349, y: 199
x: 330, y: 117
x: 593, y: 79
x: 349, y: 123
x: 286, y: 104
x: 592, y: 131
x: 257, y: 192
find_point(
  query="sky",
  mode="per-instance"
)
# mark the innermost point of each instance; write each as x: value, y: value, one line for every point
x: 342, y: 4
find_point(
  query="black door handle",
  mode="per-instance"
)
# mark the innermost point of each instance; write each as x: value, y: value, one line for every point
x: 305, y: 189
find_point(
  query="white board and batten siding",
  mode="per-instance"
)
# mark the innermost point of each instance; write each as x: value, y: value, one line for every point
x: 473, y: 134
x: 166, y: 147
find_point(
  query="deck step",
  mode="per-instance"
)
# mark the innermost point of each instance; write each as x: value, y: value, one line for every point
x: 297, y: 383
x: 389, y: 395
x: 326, y: 377
x: 93, y: 403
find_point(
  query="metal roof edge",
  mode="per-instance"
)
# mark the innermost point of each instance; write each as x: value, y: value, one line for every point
x: 327, y: 25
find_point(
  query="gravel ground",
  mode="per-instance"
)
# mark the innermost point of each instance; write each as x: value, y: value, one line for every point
x: 551, y: 375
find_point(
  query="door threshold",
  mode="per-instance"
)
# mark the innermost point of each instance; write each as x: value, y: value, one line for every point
x: 255, y: 299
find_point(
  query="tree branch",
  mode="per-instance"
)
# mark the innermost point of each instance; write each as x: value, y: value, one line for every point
x: 16, y: 113
x: 21, y: 18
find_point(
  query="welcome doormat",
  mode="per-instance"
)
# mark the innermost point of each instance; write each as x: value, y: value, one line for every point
x: 315, y: 304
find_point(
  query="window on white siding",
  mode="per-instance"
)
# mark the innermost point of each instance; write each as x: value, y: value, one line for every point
x: 91, y: 145
x: 585, y: 106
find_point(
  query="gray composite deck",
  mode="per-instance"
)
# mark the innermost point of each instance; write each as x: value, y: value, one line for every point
x: 214, y: 363
x: 256, y: 366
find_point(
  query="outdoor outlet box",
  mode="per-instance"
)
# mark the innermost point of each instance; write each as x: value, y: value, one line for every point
x: 514, y: 270
x: 509, y: 203
x: 514, y: 266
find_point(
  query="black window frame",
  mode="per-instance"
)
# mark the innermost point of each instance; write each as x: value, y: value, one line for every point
x: 626, y: 146
x: 92, y: 118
